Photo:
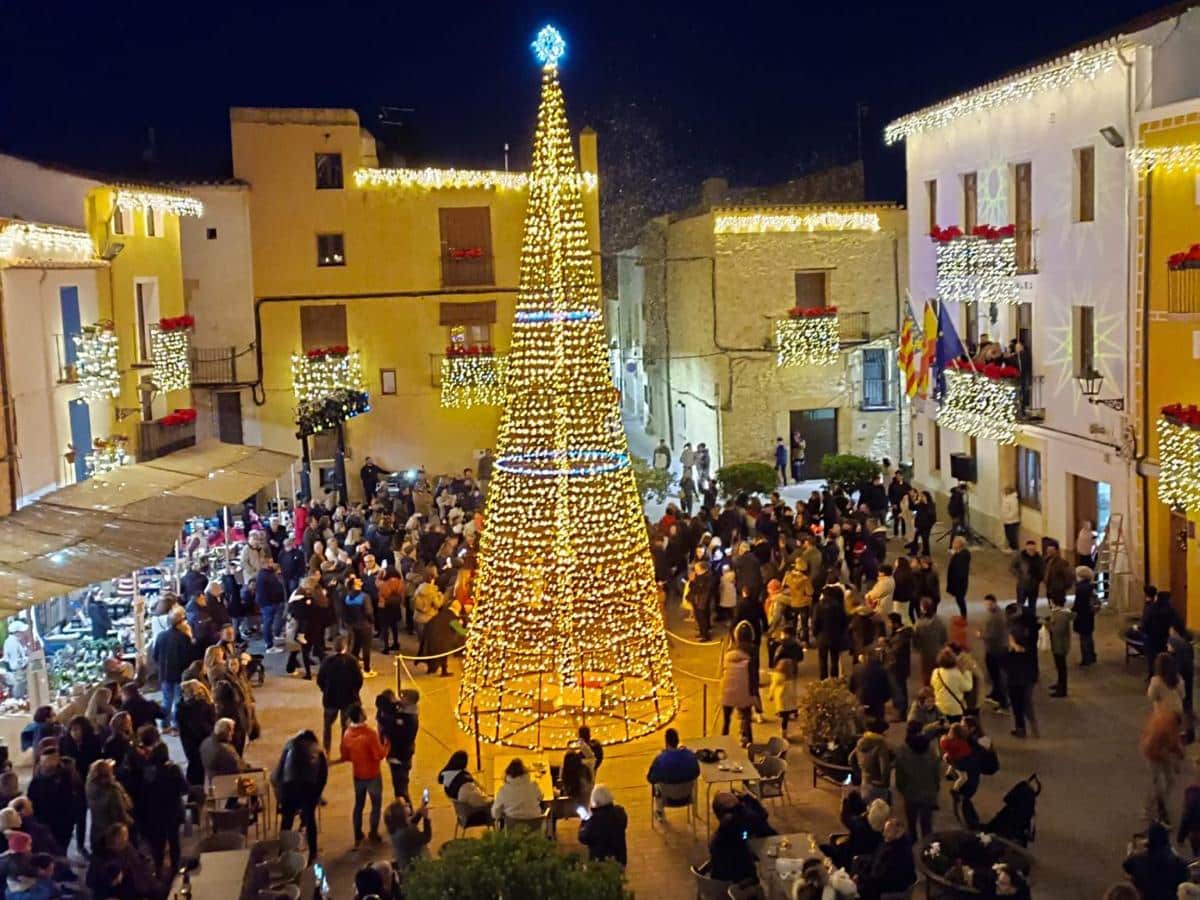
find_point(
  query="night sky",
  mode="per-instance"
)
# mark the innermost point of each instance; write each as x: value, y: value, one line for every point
x: 754, y: 92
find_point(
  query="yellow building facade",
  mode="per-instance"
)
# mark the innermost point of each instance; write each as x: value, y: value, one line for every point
x: 1167, y: 335
x: 396, y: 264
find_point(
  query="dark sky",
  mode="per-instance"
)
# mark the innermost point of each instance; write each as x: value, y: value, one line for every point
x: 755, y: 92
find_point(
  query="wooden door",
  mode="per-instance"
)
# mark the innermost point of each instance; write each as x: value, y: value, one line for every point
x: 229, y: 417
x: 1179, y: 566
x: 1085, y: 508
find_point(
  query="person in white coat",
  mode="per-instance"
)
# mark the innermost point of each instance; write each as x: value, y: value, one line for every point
x: 519, y: 797
x: 879, y: 597
x: 1010, y: 515
x: 16, y: 658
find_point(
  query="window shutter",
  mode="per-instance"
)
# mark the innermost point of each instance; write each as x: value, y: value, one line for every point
x: 323, y: 326
x: 466, y: 233
x: 467, y: 313
x: 810, y: 289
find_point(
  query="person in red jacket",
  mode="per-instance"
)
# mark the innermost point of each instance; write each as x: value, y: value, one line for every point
x: 363, y: 749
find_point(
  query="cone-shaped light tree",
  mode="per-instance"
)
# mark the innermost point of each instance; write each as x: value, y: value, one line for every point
x: 566, y: 628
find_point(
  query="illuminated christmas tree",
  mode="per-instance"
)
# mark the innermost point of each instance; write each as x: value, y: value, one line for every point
x: 566, y: 628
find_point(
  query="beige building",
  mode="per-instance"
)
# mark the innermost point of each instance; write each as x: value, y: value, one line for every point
x: 719, y: 308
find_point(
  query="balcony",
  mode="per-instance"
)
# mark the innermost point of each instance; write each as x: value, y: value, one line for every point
x: 982, y: 403
x: 156, y: 439
x: 213, y: 366
x: 854, y: 327
x: 64, y: 359
x: 1030, y: 407
x: 1183, y: 290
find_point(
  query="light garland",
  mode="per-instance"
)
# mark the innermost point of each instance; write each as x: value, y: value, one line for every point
x: 171, y: 352
x: 106, y: 454
x: 1168, y: 159
x: 28, y: 241
x: 329, y: 388
x: 455, y: 179
x: 469, y: 380
x: 807, y: 341
x: 977, y: 270
x: 763, y: 223
x: 566, y: 627
x: 129, y: 199
x: 1082, y: 65
x: 980, y: 406
x: 1178, y: 464
x: 96, y: 362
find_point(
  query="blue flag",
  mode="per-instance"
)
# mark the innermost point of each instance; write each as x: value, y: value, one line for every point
x: 949, y: 348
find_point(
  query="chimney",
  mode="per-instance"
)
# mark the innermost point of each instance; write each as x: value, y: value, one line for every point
x: 713, y: 191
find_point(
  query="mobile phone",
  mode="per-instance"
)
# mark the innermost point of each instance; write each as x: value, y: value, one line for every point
x: 425, y: 796
x: 583, y: 812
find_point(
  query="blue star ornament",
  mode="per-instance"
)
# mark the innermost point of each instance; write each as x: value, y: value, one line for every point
x: 549, y: 46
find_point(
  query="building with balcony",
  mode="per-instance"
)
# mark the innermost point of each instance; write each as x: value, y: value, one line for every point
x: 752, y: 317
x: 399, y: 265
x: 1039, y: 156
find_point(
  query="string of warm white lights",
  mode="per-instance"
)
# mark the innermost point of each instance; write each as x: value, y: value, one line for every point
x: 96, y: 362
x: 1082, y: 65
x: 1178, y: 464
x: 807, y: 341
x: 105, y: 456
x: 49, y: 243
x: 977, y: 270
x: 1176, y: 157
x: 329, y: 387
x: 765, y: 223
x: 171, y: 352
x: 980, y: 406
x: 469, y: 381
x: 566, y: 629
x: 454, y: 179
x: 176, y: 204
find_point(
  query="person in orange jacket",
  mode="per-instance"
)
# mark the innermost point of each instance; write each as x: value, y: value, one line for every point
x: 364, y: 751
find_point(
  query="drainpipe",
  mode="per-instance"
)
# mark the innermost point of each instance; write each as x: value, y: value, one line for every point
x: 899, y: 386
x: 10, y: 448
x: 1140, y: 458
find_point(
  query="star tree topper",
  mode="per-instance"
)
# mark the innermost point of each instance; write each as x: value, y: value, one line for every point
x: 549, y: 46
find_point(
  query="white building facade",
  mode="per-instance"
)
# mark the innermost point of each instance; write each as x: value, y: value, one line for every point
x: 1044, y: 151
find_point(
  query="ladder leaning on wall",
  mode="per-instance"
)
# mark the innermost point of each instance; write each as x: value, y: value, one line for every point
x: 1112, y: 559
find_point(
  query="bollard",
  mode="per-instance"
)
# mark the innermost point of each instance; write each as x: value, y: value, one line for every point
x: 478, y: 754
x: 704, y: 709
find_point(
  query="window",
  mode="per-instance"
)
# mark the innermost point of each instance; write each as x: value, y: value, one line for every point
x: 466, y: 233
x: 145, y: 310
x: 1029, y: 477
x: 812, y: 289
x: 154, y: 224
x: 122, y: 221
x: 323, y: 326
x: 468, y: 323
x: 1023, y: 215
x: 1085, y: 184
x: 331, y: 250
x: 935, y: 464
x: 876, y: 393
x: 329, y: 171
x: 1083, y: 340
x: 210, y: 234
x: 970, y: 186
x: 931, y: 198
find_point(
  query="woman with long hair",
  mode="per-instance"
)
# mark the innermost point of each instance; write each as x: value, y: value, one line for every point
x: 196, y: 715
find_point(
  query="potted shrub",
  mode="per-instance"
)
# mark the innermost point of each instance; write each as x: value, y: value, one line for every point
x: 848, y: 471
x: 828, y: 718
x: 746, y: 478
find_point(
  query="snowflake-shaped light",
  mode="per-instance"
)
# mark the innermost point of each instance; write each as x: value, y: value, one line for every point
x: 549, y: 46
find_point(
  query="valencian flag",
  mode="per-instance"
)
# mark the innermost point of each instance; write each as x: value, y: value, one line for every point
x: 906, y: 357
x: 928, y: 348
x: 948, y: 349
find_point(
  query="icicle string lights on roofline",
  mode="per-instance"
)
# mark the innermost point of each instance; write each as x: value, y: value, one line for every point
x: 765, y: 223
x: 1082, y: 65
x: 1177, y: 157
x: 50, y: 243
x: 177, y: 204
x: 453, y: 179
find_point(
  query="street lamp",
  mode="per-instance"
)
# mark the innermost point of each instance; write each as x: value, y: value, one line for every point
x: 1089, y: 386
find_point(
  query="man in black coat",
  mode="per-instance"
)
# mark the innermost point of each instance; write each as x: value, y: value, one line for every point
x: 292, y: 565
x: 300, y: 779
x: 173, y: 652
x: 340, y: 679
x: 829, y: 629
x: 1158, y: 618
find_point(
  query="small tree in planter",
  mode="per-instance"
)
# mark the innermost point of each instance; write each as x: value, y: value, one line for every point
x: 652, y: 483
x: 746, y: 478
x: 828, y: 718
x: 512, y: 864
x: 847, y: 471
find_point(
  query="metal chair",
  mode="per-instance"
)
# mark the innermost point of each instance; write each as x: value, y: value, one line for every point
x: 709, y: 888
x: 541, y: 823
x: 236, y: 820
x: 220, y: 841
x: 674, y: 796
x: 776, y: 746
x: 773, y: 783
x: 465, y: 817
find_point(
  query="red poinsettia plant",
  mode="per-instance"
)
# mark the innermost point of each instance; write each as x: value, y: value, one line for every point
x: 1188, y: 259
x: 470, y: 350
x: 322, y: 352
x: 812, y: 312
x: 176, y: 323
x: 988, y: 370
x: 178, y: 417
x: 466, y: 253
x: 987, y: 232
x: 1184, y: 415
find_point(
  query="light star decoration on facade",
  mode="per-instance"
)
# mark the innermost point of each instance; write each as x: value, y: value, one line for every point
x: 549, y: 46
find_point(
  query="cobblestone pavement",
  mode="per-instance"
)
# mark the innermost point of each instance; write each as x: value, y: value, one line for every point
x: 1086, y: 757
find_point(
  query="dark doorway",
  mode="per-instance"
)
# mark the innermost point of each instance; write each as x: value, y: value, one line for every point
x: 818, y: 427
x: 1179, y: 563
x: 229, y: 417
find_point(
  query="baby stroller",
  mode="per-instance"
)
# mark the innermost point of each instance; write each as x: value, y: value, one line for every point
x: 1014, y: 822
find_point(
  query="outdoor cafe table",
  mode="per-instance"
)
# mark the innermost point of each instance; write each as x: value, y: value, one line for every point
x: 538, y: 765
x: 735, y: 768
x: 220, y: 874
x: 769, y: 850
